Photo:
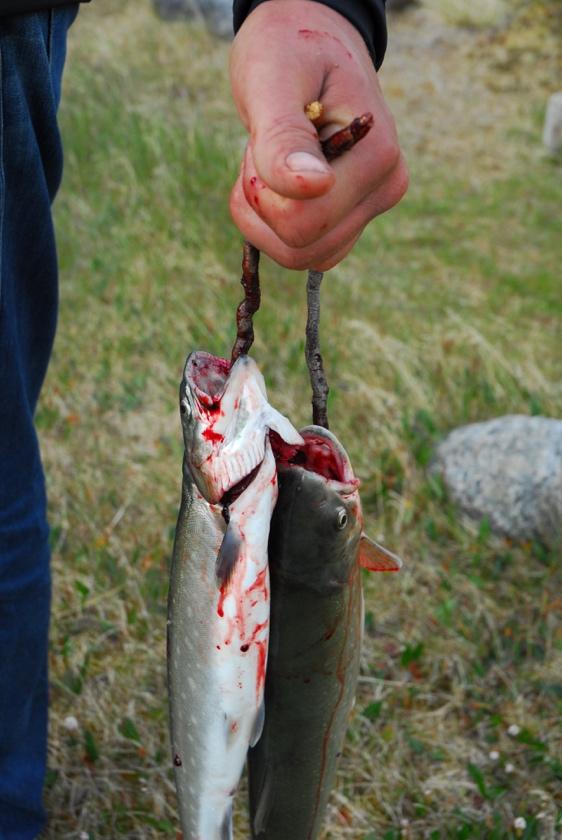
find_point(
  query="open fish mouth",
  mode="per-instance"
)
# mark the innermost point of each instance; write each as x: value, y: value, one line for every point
x: 207, y: 375
x: 320, y: 453
x: 225, y: 419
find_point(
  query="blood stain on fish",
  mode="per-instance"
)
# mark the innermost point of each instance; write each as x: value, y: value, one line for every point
x: 220, y: 605
x: 214, y: 437
x: 262, y: 659
x: 260, y: 582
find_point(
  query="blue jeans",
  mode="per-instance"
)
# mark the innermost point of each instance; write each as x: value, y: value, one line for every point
x: 32, y: 53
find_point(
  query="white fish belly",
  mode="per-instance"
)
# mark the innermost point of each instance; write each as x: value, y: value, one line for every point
x: 218, y: 652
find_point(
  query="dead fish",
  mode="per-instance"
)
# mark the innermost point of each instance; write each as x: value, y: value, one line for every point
x: 316, y: 548
x: 218, y: 609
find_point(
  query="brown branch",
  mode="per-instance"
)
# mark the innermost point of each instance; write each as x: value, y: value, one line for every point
x: 251, y: 303
x: 346, y: 139
x: 332, y: 148
x: 312, y: 351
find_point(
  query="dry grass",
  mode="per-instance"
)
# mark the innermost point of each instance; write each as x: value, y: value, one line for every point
x: 447, y: 312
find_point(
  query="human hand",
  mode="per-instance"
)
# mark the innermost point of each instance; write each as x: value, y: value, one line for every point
x: 288, y: 201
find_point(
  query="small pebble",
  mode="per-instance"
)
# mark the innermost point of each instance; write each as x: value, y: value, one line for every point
x: 84, y: 835
x: 509, y: 768
x: 494, y: 755
x: 514, y: 730
x: 71, y: 724
x: 520, y: 823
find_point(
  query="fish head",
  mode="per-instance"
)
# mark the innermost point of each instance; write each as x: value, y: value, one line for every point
x: 225, y: 419
x: 326, y: 518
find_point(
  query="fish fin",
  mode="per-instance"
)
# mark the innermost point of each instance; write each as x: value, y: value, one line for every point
x: 260, y: 814
x: 227, y: 557
x: 226, y: 826
x: 274, y: 420
x: 258, y: 725
x: 375, y: 558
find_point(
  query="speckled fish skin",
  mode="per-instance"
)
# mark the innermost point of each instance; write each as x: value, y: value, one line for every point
x: 218, y: 629
x: 315, y: 645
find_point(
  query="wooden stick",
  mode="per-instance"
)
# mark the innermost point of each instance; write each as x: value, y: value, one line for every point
x: 332, y: 148
x: 251, y: 303
x: 346, y: 139
x: 312, y: 353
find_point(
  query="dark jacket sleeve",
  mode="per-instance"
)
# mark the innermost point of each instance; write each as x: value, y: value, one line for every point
x: 368, y: 16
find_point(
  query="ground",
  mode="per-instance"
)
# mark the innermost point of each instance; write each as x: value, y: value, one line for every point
x: 447, y: 312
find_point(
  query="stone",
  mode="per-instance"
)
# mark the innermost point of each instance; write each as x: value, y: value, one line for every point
x: 508, y: 470
x: 552, y: 134
x: 175, y: 9
x: 400, y: 5
x: 217, y: 14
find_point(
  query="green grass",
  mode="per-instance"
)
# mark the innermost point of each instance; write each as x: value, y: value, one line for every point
x: 447, y: 312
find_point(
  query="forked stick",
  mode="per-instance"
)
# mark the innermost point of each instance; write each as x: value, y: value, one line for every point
x: 312, y: 353
x: 251, y: 303
x: 332, y: 148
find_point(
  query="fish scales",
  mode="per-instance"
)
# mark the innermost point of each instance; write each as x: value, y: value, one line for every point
x: 215, y: 687
x: 218, y: 608
x: 315, y: 644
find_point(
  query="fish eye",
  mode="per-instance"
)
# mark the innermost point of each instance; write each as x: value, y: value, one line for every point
x: 341, y: 519
x: 185, y: 408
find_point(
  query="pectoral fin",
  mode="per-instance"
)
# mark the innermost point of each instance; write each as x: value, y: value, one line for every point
x: 258, y: 725
x: 261, y: 807
x: 226, y: 827
x: 227, y: 556
x: 375, y: 558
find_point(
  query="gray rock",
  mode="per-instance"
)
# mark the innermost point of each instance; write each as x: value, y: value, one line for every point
x: 217, y: 14
x: 552, y: 134
x: 400, y: 5
x: 175, y: 9
x: 509, y: 470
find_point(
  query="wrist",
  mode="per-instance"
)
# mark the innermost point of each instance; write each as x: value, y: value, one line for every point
x: 365, y: 18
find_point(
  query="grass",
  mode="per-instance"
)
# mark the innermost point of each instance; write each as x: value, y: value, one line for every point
x: 447, y: 312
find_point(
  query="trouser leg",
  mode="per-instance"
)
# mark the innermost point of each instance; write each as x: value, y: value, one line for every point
x: 32, y: 52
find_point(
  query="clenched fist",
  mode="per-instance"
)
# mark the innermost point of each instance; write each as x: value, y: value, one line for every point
x: 288, y: 201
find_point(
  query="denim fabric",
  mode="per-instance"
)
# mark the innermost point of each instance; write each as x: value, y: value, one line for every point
x: 32, y: 53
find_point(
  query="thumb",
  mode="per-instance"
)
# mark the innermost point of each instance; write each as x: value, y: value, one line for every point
x: 287, y: 153
x: 274, y: 75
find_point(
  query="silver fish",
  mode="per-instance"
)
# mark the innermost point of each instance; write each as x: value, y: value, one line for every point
x: 218, y: 610
x: 316, y: 549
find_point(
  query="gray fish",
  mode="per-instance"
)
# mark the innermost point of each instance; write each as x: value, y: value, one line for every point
x: 218, y: 610
x: 316, y: 548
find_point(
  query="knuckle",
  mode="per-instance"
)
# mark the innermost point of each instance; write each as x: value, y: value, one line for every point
x: 295, y: 261
x: 298, y: 227
x: 294, y: 238
x: 387, y: 155
x: 400, y: 182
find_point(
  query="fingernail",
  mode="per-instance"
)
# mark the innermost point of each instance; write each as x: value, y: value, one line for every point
x: 304, y: 162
